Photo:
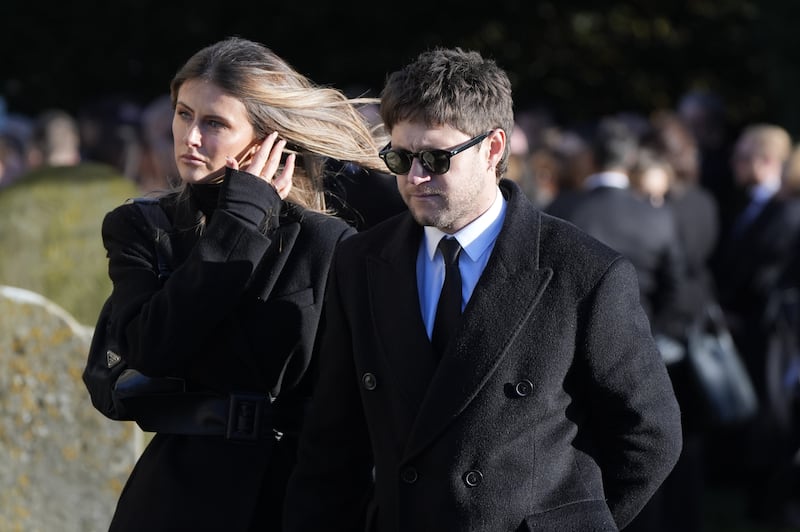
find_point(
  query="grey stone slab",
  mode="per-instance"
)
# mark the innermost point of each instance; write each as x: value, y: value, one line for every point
x: 63, y: 464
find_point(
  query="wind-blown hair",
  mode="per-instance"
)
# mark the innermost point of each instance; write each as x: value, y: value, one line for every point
x: 314, y: 120
x: 451, y: 87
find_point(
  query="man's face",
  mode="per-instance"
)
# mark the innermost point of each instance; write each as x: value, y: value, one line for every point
x: 451, y: 200
x: 753, y: 165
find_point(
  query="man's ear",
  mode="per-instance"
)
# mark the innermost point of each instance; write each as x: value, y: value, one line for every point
x: 497, y: 146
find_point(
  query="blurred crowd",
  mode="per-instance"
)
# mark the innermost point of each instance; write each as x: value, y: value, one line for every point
x: 709, y: 214
x: 134, y: 139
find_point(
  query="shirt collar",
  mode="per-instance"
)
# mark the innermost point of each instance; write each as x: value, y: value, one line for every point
x: 476, y: 236
x: 607, y: 179
x: 763, y: 192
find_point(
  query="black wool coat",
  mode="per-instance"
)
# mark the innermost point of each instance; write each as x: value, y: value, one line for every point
x: 551, y: 409
x: 238, y: 312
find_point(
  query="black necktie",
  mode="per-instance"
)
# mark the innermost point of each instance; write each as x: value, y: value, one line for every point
x: 448, y: 311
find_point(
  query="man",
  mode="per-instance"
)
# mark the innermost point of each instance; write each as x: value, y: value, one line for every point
x: 549, y: 407
x: 610, y: 210
x: 754, y: 251
x: 758, y: 243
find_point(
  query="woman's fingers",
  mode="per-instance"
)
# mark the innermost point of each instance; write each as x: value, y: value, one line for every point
x: 261, y: 156
x: 266, y: 161
x: 283, y: 182
x: 273, y: 161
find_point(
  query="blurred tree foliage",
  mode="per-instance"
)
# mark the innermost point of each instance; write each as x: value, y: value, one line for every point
x: 578, y: 58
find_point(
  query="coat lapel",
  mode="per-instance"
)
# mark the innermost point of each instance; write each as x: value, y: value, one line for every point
x: 394, y: 301
x: 504, y: 298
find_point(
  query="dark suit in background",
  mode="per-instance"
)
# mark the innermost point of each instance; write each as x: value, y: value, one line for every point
x: 697, y: 221
x: 646, y: 235
x: 610, y: 211
x: 752, y: 259
x: 748, y: 265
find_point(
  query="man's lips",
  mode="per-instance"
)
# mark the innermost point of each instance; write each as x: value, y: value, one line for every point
x: 425, y: 193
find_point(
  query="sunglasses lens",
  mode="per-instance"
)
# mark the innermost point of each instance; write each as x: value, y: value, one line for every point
x: 436, y: 161
x: 397, y: 161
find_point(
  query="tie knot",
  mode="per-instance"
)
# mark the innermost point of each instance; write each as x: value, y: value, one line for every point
x: 450, y: 249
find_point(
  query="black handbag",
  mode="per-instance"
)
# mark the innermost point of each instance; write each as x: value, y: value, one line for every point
x: 724, y: 384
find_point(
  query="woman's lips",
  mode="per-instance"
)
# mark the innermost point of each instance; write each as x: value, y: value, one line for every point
x: 192, y: 160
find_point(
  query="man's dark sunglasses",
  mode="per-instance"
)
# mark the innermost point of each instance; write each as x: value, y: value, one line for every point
x: 434, y: 161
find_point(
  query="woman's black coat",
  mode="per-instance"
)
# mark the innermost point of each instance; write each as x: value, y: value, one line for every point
x: 238, y: 313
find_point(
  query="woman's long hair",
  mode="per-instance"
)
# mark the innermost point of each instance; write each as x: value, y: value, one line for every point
x: 317, y: 122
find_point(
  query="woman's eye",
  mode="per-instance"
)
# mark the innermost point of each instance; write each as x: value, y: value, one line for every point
x: 185, y: 115
x: 215, y: 124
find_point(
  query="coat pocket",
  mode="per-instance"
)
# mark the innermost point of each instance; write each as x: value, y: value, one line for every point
x: 586, y: 516
x: 299, y: 299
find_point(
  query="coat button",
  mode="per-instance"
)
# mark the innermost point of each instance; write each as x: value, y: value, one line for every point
x: 473, y: 478
x: 369, y: 381
x: 408, y: 475
x: 523, y: 388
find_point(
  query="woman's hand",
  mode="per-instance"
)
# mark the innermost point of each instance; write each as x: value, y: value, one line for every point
x: 265, y: 162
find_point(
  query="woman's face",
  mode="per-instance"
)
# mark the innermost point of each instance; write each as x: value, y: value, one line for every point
x: 209, y: 125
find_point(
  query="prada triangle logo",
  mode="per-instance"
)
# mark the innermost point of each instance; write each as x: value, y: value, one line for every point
x: 112, y: 359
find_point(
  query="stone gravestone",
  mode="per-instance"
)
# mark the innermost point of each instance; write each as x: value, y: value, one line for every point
x: 63, y: 464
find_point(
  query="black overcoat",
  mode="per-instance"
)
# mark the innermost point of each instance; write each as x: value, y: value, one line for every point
x: 551, y: 410
x: 238, y: 313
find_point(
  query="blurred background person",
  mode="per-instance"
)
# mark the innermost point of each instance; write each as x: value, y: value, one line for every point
x: 157, y: 169
x: 15, y: 134
x: 758, y: 240
x: 668, y: 172
x: 782, y: 323
x: 55, y: 140
x: 546, y: 168
x: 109, y: 130
x: 705, y: 114
x: 752, y: 256
x: 12, y: 158
x: 652, y: 177
x: 518, y: 170
x: 560, y: 165
x: 609, y: 210
x: 695, y: 210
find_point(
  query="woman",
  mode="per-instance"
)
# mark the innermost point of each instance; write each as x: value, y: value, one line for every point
x: 249, y: 253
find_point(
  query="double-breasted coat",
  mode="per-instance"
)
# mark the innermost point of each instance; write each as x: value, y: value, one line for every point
x: 550, y: 410
x: 238, y: 313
